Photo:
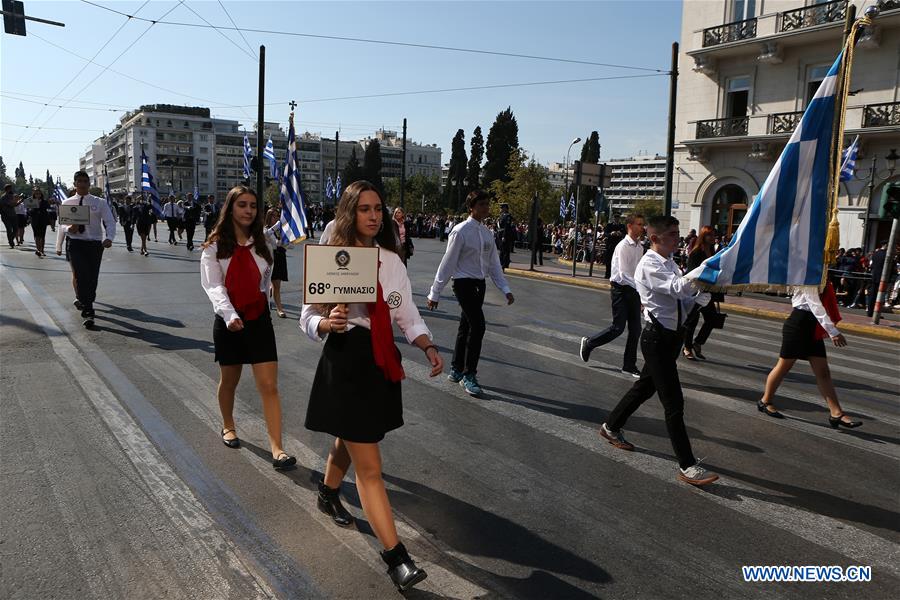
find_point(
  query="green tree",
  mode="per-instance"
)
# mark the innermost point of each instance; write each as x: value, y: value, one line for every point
x: 372, y: 165
x: 590, y: 154
x: 352, y: 171
x: 272, y: 196
x: 502, y: 142
x: 649, y: 206
x: 392, y: 191
x: 526, y: 177
x: 21, y: 183
x: 455, y: 190
x: 476, y: 155
x: 420, y: 187
x: 4, y: 178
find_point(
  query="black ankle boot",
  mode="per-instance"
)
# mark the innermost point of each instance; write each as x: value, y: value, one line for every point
x: 401, y: 568
x: 329, y: 502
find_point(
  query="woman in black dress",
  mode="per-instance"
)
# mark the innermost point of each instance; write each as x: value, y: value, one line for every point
x: 279, y: 266
x: 40, y: 218
x: 234, y: 271
x: 356, y: 392
x: 144, y: 219
x: 702, y: 249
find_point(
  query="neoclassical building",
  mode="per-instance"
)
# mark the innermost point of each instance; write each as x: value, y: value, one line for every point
x: 747, y: 70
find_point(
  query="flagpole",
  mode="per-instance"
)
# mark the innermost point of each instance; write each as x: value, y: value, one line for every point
x: 260, y: 120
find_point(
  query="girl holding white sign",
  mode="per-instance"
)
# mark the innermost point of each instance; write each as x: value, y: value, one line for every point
x: 356, y: 393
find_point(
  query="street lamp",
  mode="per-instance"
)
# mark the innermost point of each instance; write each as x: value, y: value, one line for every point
x: 872, y: 175
x: 575, y: 141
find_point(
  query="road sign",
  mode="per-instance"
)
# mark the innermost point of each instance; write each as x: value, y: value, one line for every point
x: 13, y: 17
x: 590, y: 173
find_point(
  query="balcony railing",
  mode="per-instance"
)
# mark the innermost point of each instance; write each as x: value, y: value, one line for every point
x: 814, y: 14
x: 714, y: 128
x: 881, y: 115
x: 730, y: 32
x: 884, y: 5
x: 785, y: 122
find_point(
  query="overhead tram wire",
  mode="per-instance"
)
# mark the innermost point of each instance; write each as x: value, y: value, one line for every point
x: 83, y: 68
x: 388, y: 42
x: 117, y: 109
x: 49, y: 128
x: 121, y: 54
x: 236, y: 45
x: 238, y: 30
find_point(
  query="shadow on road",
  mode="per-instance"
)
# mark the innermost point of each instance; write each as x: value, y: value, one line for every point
x: 154, y: 337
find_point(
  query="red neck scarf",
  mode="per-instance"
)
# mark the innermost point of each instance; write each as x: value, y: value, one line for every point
x: 242, y: 282
x: 829, y: 301
x: 387, y: 357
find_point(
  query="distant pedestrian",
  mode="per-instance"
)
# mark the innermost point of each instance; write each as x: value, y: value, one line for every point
x: 127, y: 219
x: 506, y: 230
x: 172, y: 215
x: 21, y: 220
x: 403, y: 234
x: 190, y: 218
x: 702, y: 249
x: 279, y: 265
x: 40, y: 218
x: 210, y: 214
x: 144, y: 221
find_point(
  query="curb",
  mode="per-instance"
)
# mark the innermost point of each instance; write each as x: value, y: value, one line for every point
x: 874, y: 331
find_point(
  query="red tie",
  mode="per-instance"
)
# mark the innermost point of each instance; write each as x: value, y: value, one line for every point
x: 387, y: 357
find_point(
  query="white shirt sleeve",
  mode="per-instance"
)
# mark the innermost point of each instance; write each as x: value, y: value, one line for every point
x: 667, y: 282
x: 109, y: 222
x: 213, y: 282
x: 447, y: 267
x: 816, y: 307
x: 309, y: 322
x: 407, y: 314
x: 495, y: 270
x: 60, y: 236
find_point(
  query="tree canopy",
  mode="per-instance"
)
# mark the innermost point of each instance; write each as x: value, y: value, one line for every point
x: 502, y: 142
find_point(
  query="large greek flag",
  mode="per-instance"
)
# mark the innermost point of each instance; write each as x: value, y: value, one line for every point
x: 149, y: 186
x: 293, y: 202
x: 246, y: 157
x: 781, y: 241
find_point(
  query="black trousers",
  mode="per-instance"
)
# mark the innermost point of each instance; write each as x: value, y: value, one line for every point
x: 129, y: 234
x: 505, y: 249
x: 537, y: 255
x: 189, y: 228
x: 660, y: 348
x: 626, y: 308
x: 11, y: 224
x: 85, y: 256
x: 690, y: 324
x: 470, y: 295
x: 173, y: 227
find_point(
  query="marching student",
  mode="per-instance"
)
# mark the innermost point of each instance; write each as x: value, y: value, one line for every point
x: 471, y: 255
x: 234, y: 271
x: 21, y: 220
x: 279, y: 266
x: 190, y: 218
x: 127, y: 217
x: 172, y: 214
x: 85, y: 244
x: 356, y: 394
x: 626, y: 303
x: 802, y: 337
x: 40, y: 218
x: 702, y: 249
x: 210, y: 214
x: 667, y: 297
x: 8, y: 203
x: 144, y: 219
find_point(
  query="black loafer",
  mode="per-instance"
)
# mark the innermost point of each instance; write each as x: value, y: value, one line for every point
x: 232, y: 443
x: 763, y: 407
x: 283, y: 461
x: 838, y: 422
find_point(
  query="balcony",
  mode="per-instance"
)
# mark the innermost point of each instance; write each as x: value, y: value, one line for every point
x: 785, y: 122
x: 716, y: 128
x: 812, y: 15
x: 730, y: 32
x: 881, y: 115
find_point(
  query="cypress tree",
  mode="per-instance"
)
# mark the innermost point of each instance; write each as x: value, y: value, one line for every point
x: 372, y: 165
x: 352, y: 170
x: 590, y: 154
x: 502, y: 141
x: 476, y: 155
x: 455, y: 191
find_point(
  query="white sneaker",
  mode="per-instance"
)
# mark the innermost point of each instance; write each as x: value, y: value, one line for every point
x: 696, y: 475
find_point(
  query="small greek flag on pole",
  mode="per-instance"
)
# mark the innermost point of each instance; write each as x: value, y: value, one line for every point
x: 196, y: 193
x: 293, y: 203
x: 269, y: 153
x: 337, y: 189
x: 246, y: 157
x: 562, y: 207
x: 149, y: 186
x: 61, y: 193
x: 848, y: 160
x: 329, y: 189
x: 572, y: 205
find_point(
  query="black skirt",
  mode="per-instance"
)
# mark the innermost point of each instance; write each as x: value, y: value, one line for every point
x: 798, y: 339
x: 255, y: 343
x: 279, y: 265
x: 350, y: 397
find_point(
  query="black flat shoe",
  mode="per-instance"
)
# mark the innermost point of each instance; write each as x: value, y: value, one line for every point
x: 763, y: 407
x: 233, y: 442
x: 329, y: 502
x: 697, y: 352
x: 401, y: 568
x: 838, y: 422
x: 283, y: 461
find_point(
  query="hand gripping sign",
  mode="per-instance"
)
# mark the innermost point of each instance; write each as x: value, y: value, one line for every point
x: 339, y: 274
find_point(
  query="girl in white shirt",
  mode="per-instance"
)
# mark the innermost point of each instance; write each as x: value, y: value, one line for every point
x: 356, y: 393
x: 235, y: 272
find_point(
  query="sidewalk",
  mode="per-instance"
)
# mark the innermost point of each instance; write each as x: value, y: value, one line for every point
x: 758, y: 305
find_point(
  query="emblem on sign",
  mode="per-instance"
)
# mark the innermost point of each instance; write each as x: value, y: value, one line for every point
x: 342, y: 258
x: 394, y: 300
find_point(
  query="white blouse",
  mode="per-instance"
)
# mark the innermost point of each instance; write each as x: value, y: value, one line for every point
x: 810, y: 302
x: 397, y: 293
x: 212, y: 278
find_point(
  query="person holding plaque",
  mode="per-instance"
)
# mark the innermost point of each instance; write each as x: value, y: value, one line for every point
x: 356, y: 393
x: 235, y: 272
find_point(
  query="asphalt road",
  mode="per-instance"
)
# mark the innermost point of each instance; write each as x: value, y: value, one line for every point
x: 115, y: 483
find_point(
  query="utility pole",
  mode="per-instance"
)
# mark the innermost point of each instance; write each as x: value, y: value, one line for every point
x: 337, y: 137
x: 670, y: 140
x: 260, y: 120
x: 403, y: 170
x: 575, y: 221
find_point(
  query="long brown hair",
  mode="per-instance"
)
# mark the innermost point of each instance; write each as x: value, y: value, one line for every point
x: 223, y: 235
x: 700, y: 241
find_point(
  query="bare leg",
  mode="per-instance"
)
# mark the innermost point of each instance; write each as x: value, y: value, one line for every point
x: 228, y: 380
x: 372, y: 495
x: 337, y: 465
x: 266, y: 377
x: 276, y: 295
x: 143, y: 243
x: 819, y: 365
x: 776, y: 376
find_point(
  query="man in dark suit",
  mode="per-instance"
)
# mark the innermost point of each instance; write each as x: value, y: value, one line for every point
x: 210, y: 214
x: 506, y: 230
x: 127, y: 219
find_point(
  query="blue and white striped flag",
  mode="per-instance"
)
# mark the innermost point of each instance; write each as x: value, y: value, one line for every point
x: 572, y: 205
x: 329, y: 189
x: 196, y: 193
x: 269, y: 153
x: 848, y: 160
x: 781, y: 241
x: 246, y: 157
x: 562, y: 207
x: 60, y: 193
x: 337, y: 189
x: 293, y: 202
x: 149, y: 186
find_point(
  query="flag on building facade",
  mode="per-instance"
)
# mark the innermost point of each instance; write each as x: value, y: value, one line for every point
x: 246, y: 157
x: 848, y: 160
x: 149, y: 186
x: 293, y: 202
x: 269, y: 153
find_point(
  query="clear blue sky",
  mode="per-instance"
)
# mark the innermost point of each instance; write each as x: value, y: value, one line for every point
x: 201, y: 67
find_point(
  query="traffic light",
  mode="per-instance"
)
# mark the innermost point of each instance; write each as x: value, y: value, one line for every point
x: 890, y: 202
x: 13, y: 17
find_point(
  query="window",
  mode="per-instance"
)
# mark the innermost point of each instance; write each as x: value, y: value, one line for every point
x: 204, y: 150
x: 814, y: 77
x: 737, y: 96
x: 204, y: 137
x: 741, y: 10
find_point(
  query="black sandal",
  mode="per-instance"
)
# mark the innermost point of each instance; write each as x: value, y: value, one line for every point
x: 763, y: 407
x: 283, y: 461
x: 838, y: 422
x: 233, y: 442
